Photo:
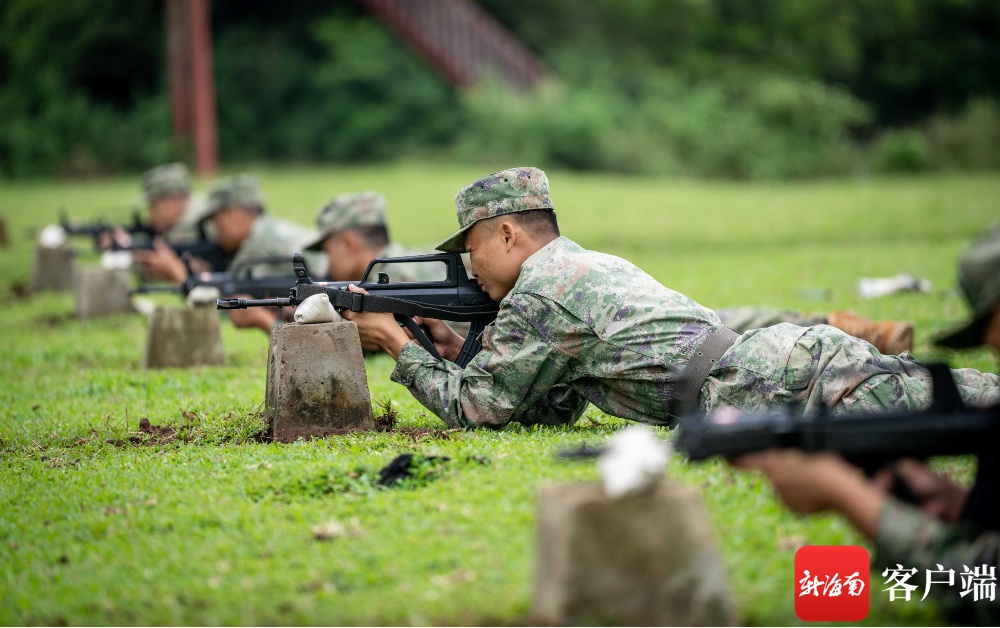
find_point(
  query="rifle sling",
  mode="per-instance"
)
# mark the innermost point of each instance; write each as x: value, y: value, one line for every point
x: 692, y: 378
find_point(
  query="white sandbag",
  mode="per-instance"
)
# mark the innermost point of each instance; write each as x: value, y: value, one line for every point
x: 203, y: 296
x: 317, y: 309
x: 52, y: 237
x: 116, y: 260
x: 633, y: 460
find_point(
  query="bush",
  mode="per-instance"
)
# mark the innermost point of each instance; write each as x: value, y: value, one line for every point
x: 967, y: 141
x: 901, y: 151
x: 754, y: 128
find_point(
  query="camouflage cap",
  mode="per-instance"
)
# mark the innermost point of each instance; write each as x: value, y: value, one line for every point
x: 364, y: 209
x: 504, y: 192
x: 166, y: 180
x: 241, y: 190
x: 979, y: 278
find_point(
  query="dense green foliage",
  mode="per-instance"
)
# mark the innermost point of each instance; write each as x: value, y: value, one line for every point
x: 719, y: 88
x: 102, y: 525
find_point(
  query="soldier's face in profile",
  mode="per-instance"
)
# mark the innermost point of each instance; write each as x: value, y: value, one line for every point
x: 232, y: 227
x: 340, y: 266
x: 492, y: 258
x: 165, y: 211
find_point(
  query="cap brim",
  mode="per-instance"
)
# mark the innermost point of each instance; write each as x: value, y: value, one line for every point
x: 967, y: 336
x: 315, y: 245
x: 456, y: 243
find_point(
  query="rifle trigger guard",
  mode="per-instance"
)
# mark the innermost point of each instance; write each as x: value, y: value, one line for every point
x: 357, y: 302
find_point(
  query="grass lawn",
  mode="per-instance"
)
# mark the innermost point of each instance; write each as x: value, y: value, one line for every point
x: 218, y: 528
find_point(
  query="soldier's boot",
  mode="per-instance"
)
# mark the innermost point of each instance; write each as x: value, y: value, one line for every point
x: 889, y: 337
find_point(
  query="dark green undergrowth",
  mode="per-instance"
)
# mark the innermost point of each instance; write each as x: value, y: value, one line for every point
x: 130, y: 496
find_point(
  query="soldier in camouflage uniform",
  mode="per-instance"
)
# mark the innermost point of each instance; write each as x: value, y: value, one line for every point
x: 173, y: 215
x: 173, y: 210
x: 578, y: 327
x: 353, y: 230
x: 262, y: 245
x: 928, y: 536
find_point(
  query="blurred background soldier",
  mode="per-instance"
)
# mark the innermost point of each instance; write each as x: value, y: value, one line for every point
x: 929, y: 535
x: 889, y: 337
x: 354, y: 230
x: 979, y: 279
x: 173, y: 210
x: 261, y: 245
x: 173, y: 215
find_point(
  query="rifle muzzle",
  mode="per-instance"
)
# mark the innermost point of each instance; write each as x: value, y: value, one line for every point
x: 242, y: 304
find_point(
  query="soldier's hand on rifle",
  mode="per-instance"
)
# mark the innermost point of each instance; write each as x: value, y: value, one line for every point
x: 161, y: 262
x: 116, y: 236
x: 378, y: 331
x: 448, y: 343
x: 809, y: 483
x: 937, y: 496
x: 262, y: 318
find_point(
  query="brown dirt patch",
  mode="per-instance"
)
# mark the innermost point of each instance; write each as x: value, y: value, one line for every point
x: 148, y: 434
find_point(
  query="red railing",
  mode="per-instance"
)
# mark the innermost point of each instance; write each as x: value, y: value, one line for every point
x: 461, y: 40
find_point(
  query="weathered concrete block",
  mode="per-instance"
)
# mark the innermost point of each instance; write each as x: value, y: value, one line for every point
x: 182, y: 337
x: 53, y: 270
x: 102, y: 292
x: 644, y: 559
x: 316, y: 381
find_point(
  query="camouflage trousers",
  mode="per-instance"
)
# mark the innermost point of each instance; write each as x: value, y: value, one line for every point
x: 742, y: 319
x: 822, y: 366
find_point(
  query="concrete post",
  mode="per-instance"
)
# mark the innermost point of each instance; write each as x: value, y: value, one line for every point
x: 102, y: 292
x: 181, y: 337
x: 53, y: 270
x: 645, y: 559
x: 316, y: 381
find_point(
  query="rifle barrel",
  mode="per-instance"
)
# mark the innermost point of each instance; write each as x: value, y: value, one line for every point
x: 242, y: 304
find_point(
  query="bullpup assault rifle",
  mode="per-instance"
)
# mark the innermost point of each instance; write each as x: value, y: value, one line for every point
x: 870, y: 441
x: 142, y: 234
x: 455, y: 298
x: 94, y: 230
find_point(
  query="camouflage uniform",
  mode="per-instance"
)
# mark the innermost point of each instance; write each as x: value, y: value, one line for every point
x: 584, y: 327
x: 908, y: 537
x: 743, y: 319
x: 186, y: 227
x: 275, y: 238
x: 269, y: 237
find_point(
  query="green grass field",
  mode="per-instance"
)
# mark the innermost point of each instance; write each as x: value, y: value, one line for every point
x: 218, y: 528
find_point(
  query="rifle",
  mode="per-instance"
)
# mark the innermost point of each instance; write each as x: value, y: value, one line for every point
x: 94, y: 230
x: 869, y: 441
x: 142, y: 239
x: 455, y: 298
x: 240, y: 281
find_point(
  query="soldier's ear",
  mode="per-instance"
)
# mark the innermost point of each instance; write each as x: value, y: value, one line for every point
x: 508, y: 234
x: 352, y: 241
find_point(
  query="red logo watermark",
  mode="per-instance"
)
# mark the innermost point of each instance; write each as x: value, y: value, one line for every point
x: 831, y: 583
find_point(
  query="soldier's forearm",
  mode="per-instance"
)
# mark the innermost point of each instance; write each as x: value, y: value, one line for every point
x: 861, y: 506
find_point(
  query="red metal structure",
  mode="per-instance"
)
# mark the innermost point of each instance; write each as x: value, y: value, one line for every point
x: 461, y: 40
x: 192, y: 80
